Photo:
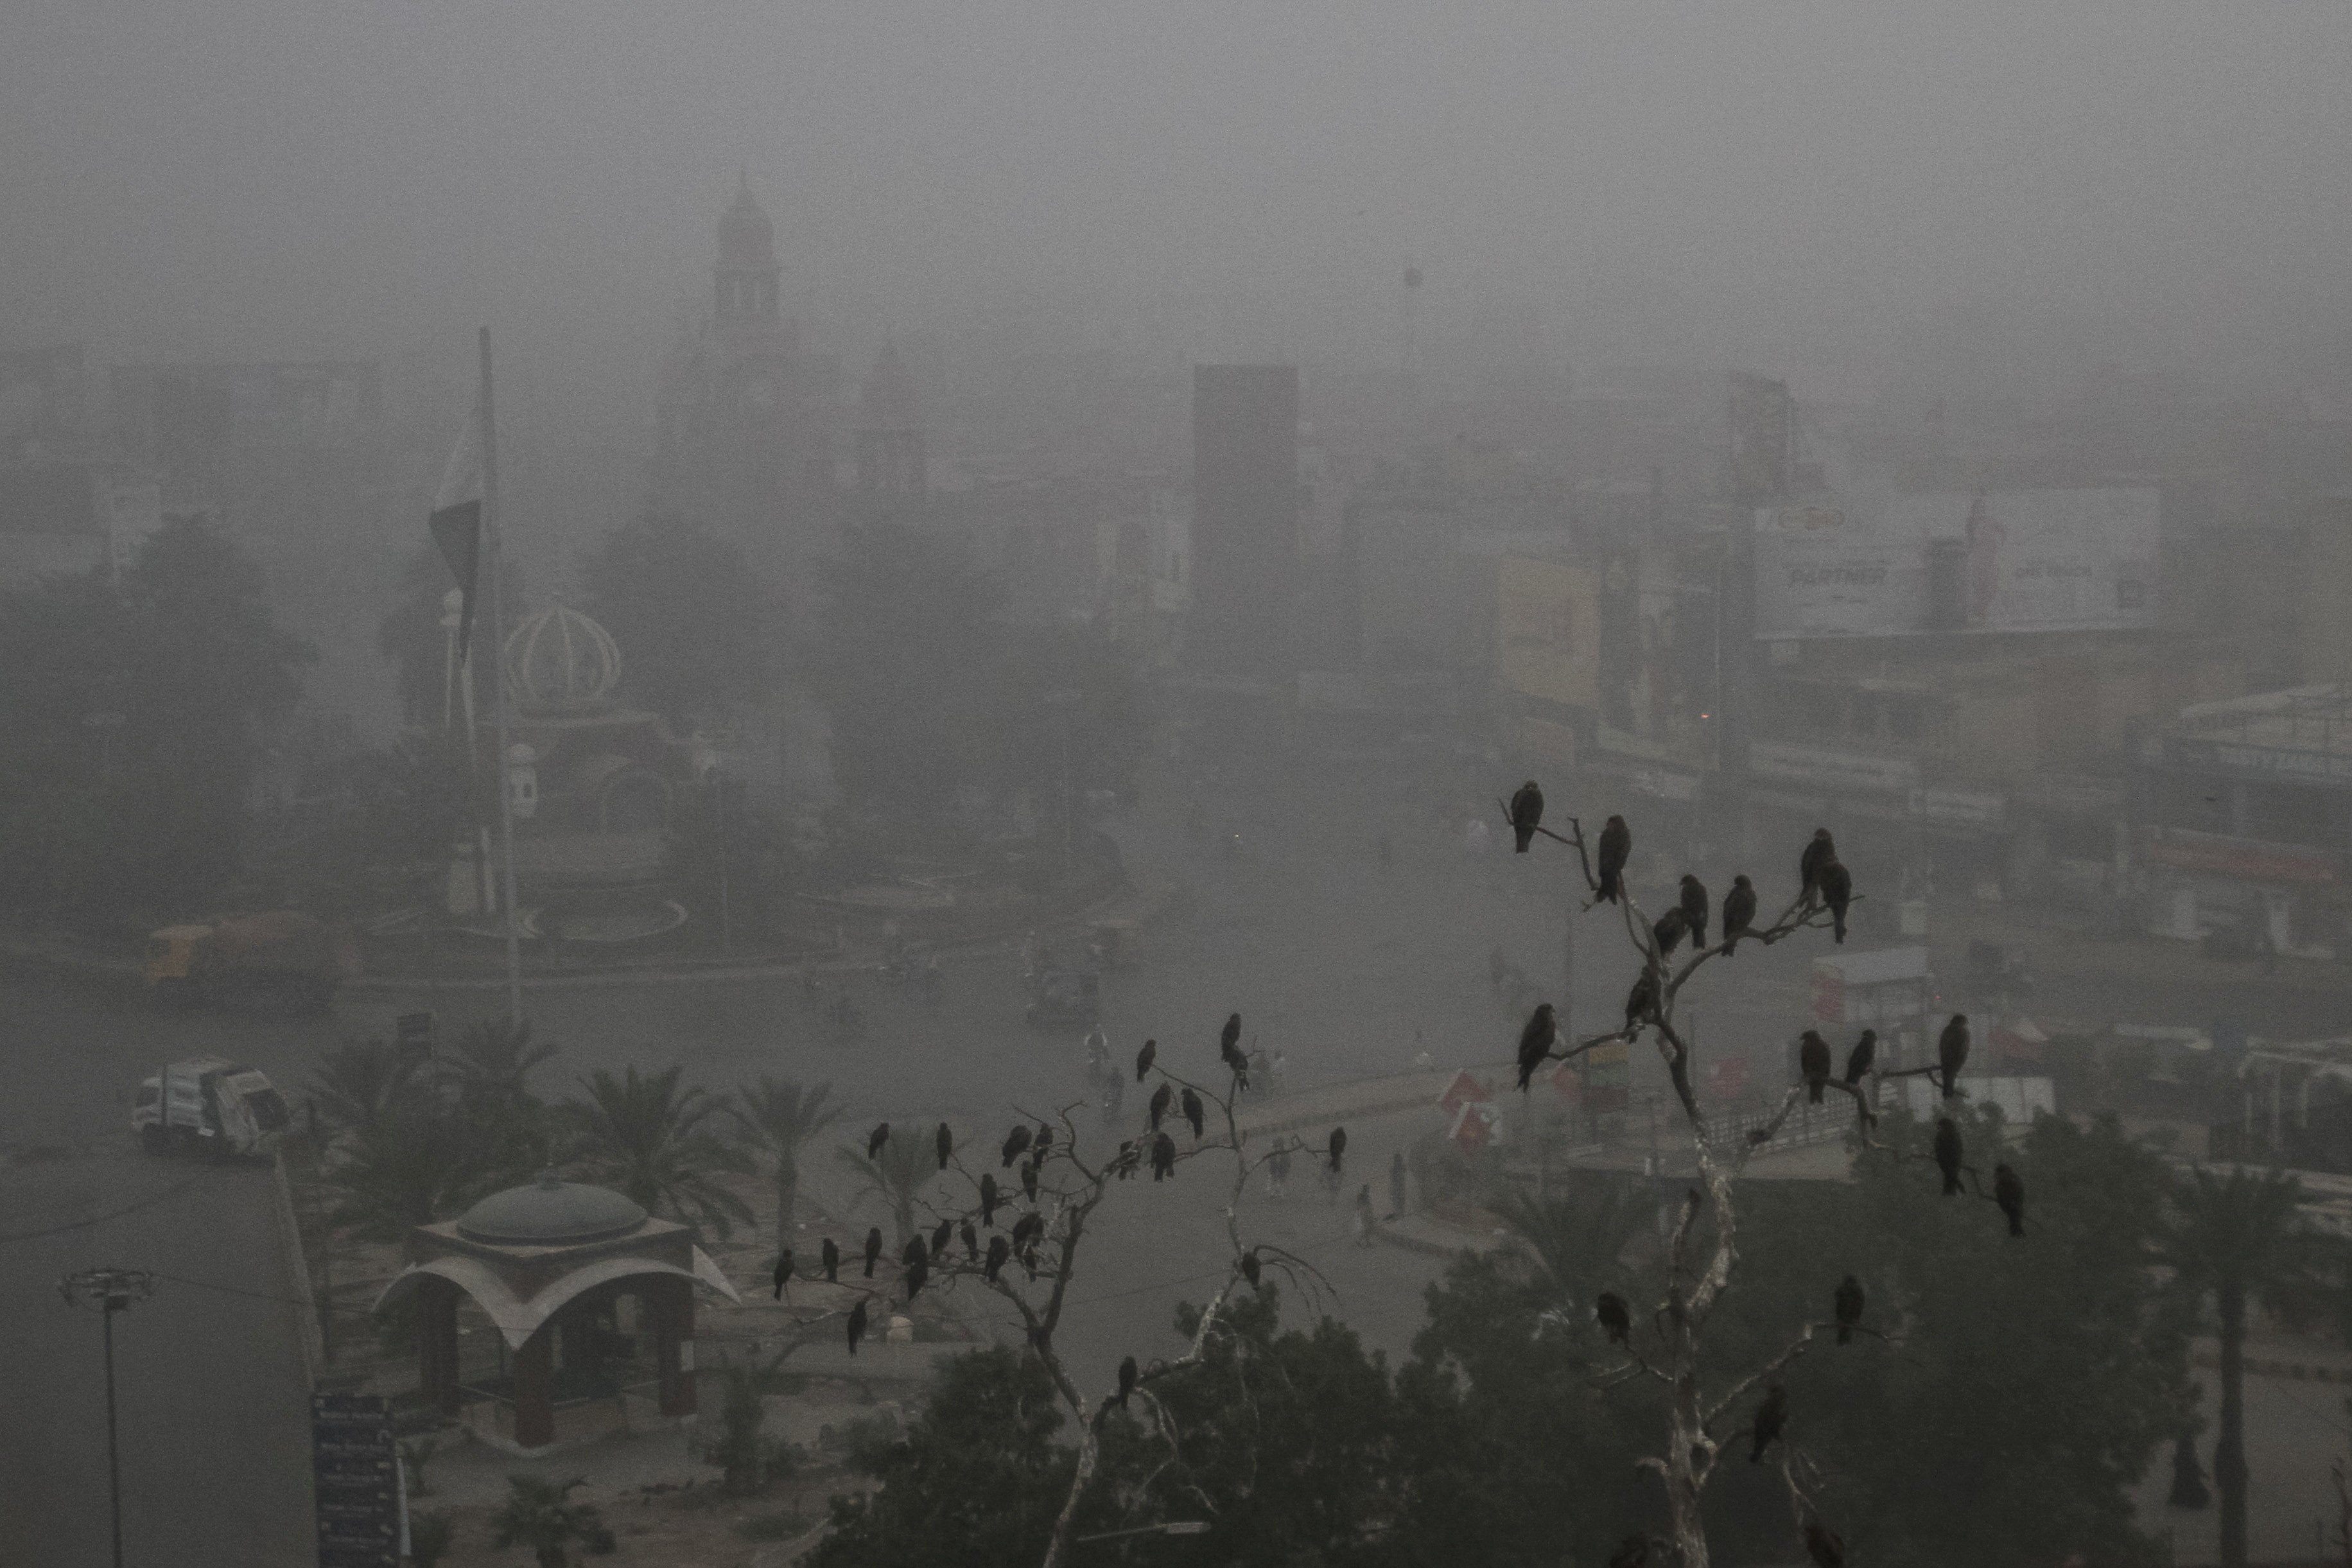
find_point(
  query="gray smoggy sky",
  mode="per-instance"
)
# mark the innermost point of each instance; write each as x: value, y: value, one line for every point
x: 1802, y: 186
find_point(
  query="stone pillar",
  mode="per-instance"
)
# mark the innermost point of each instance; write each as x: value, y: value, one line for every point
x: 437, y: 1342
x: 534, y: 1390
x: 577, y: 1326
x: 671, y: 1300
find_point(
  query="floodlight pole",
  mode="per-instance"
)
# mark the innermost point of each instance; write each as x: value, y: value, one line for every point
x: 110, y: 1290
x: 492, y: 541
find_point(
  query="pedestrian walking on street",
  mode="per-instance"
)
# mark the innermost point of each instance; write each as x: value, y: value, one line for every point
x: 1364, y: 1215
x: 1277, y: 1168
x: 1396, y: 1193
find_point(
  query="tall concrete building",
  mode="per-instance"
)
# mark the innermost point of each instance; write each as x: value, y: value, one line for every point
x: 1245, y: 568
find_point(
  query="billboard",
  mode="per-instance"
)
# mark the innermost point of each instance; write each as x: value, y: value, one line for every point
x: 1998, y: 561
x: 1548, y: 631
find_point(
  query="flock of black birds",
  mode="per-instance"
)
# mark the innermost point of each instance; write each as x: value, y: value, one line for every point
x: 1031, y: 1147
x: 1823, y: 883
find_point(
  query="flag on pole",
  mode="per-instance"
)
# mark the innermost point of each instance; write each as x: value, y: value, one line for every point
x: 456, y: 522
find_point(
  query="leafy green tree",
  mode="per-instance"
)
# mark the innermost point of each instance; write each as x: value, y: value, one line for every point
x: 137, y: 714
x: 645, y: 1137
x: 2241, y: 1239
x: 747, y: 1457
x: 431, y: 1535
x: 896, y: 1176
x: 540, y: 1514
x: 976, y: 1482
x: 691, y: 617
x: 775, y: 1117
x: 929, y: 689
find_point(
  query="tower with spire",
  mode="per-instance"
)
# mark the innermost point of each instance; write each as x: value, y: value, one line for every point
x: 743, y: 442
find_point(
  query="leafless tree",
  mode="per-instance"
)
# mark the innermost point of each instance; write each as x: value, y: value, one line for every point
x: 1694, y: 1283
x: 1036, y: 1279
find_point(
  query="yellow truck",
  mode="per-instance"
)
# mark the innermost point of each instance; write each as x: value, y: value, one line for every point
x: 284, y: 955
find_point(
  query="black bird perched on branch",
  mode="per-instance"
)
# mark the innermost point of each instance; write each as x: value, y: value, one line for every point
x: 1819, y: 850
x: 941, y: 1233
x: 1952, y: 1053
x: 784, y: 1272
x: 946, y: 1145
x: 1848, y: 1303
x: 1823, y: 1545
x: 917, y: 1260
x: 876, y: 1139
x: 1126, y: 1378
x: 1615, y: 1321
x: 1251, y: 1267
x: 999, y: 1249
x: 1029, y: 1180
x: 989, y: 1199
x: 1536, y: 1042
x: 1858, y: 1061
x: 1124, y: 1163
x: 1043, y: 1141
x: 1163, y: 1157
x: 1694, y: 909
x: 1641, y: 998
x: 1770, y: 1417
x: 1015, y: 1144
x: 1813, y: 1062
x: 971, y: 1241
x: 1339, y: 1146
x: 1837, y: 893
x: 1527, y: 814
x: 1616, y: 848
x: 1229, y: 1050
x: 873, y: 1249
x: 856, y: 1325
x: 1947, y: 1154
x: 2008, y: 1191
x: 1668, y: 928
x: 1633, y: 1551
x: 1193, y: 1113
x: 1739, y: 912
x: 830, y: 1260
x: 1143, y: 1058
x: 1161, y: 1098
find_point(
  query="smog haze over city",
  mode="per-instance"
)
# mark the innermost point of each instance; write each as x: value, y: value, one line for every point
x: 1205, y: 784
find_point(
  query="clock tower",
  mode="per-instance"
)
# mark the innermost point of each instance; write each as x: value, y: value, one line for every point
x: 743, y: 444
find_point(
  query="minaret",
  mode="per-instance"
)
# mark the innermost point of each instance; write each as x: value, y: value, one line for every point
x: 744, y: 280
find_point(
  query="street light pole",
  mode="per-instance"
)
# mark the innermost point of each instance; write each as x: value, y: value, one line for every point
x: 110, y: 1290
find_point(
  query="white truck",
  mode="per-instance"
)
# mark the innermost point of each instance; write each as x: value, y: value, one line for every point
x: 209, y: 1106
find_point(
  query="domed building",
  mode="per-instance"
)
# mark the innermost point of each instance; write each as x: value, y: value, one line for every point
x: 592, y: 1301
x: 590, y: 777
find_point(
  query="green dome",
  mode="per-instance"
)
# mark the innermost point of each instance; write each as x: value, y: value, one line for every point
x: 550, y: 1213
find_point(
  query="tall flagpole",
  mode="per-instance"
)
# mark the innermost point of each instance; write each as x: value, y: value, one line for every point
x: 491, y: 546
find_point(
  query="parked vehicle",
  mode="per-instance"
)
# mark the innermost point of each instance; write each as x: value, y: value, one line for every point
x: 209, y: 1106
x: 285, y: 955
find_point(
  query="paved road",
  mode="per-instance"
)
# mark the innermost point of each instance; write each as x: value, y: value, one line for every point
x: 211, y: 1385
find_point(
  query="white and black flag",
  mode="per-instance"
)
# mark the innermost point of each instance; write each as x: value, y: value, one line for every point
x: 456, y: 522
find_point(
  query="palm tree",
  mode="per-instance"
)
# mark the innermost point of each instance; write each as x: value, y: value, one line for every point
x: 645, y: 1137
x: 896, y: 1176
x: 775, y: 1119
x: 411, y: 1166
x: 492, y: 1060
x: 1577, y: 1236
x: 358, y: 1083
x: 540, y: 1514
x: 2240, y: 1237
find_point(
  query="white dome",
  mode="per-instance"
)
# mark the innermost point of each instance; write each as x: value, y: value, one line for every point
x: 561, y: 661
